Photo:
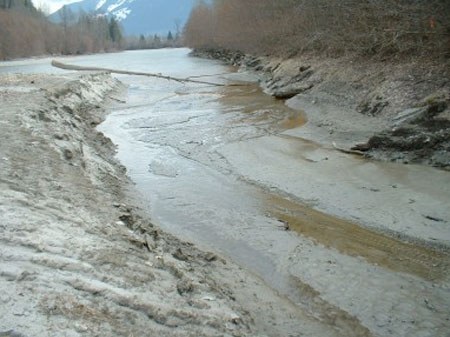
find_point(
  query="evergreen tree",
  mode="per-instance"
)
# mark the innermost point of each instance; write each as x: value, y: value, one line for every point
x: 142, y: 42
x: 115, y: 32
x: 67, y: 17
x: 156, y: 41
x: 17, y: 4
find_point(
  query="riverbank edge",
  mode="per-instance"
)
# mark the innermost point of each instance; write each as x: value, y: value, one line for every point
x: 70, y: 216
x: 375, y: 108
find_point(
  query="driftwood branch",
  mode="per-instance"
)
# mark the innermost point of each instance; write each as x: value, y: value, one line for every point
x: 66, y: 66
x: 340, y: 149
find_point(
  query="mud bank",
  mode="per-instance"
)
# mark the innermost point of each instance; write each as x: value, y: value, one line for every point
x: 77, y: 258
x: 377, y: 108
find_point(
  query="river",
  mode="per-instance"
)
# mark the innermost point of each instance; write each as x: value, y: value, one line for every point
x: 216, y: 166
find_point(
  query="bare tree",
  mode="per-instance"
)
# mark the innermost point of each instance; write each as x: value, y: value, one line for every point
x: 28, y: 32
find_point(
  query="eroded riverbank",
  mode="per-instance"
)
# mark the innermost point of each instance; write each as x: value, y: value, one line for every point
x: 384, y: 109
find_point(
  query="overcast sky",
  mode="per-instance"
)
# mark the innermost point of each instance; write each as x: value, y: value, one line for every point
x: 52, y: 5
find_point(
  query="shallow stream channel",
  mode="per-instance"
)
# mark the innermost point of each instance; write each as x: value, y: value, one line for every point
x: 353, y: 242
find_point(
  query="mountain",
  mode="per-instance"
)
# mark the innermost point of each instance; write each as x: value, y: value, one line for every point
x: 137, y: 17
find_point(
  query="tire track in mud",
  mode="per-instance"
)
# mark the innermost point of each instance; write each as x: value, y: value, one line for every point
x: 354, y: 240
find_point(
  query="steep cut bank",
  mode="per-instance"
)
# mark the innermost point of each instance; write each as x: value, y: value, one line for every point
x: 381, y: 109
x: 78, y: 259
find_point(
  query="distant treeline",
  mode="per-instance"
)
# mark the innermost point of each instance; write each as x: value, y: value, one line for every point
x: 153, y: 41
x: 384, y: 28
x: 25, y: 31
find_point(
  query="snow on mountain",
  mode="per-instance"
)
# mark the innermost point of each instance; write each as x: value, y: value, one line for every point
x: 119, y: 3
x: 100, y: 4
x: 137, y: 17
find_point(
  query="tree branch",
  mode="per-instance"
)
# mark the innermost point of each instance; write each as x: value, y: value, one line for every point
x: 65, y: 66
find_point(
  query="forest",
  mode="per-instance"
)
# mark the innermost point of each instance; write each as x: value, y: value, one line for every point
x: 25, y: 31
x: 367, y: 28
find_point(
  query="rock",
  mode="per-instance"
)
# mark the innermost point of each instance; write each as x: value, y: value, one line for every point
x: 11, y: 333
x: 303, y: 68
x: 303, y: 75
x: 59, y: 136
x: 235, y: 319
x: 184, y: 286
x: 361, y: 147
x: 429, y: 305
x: 68, y: 154
x: 5, y: 298
x: 42, y: 115
x: 434, y: 108
x: 253, y: 62
x: 433, y: 218
x: 127, y: 218
x: 80, y: 327
x: 408, y: 115
x: 180, y: 255
x: 372, y: 107
x: 290, y: 91
x: 210, y: 257
x: 137, y: 241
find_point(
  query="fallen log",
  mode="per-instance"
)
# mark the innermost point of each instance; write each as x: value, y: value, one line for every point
x: 66, y: 66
